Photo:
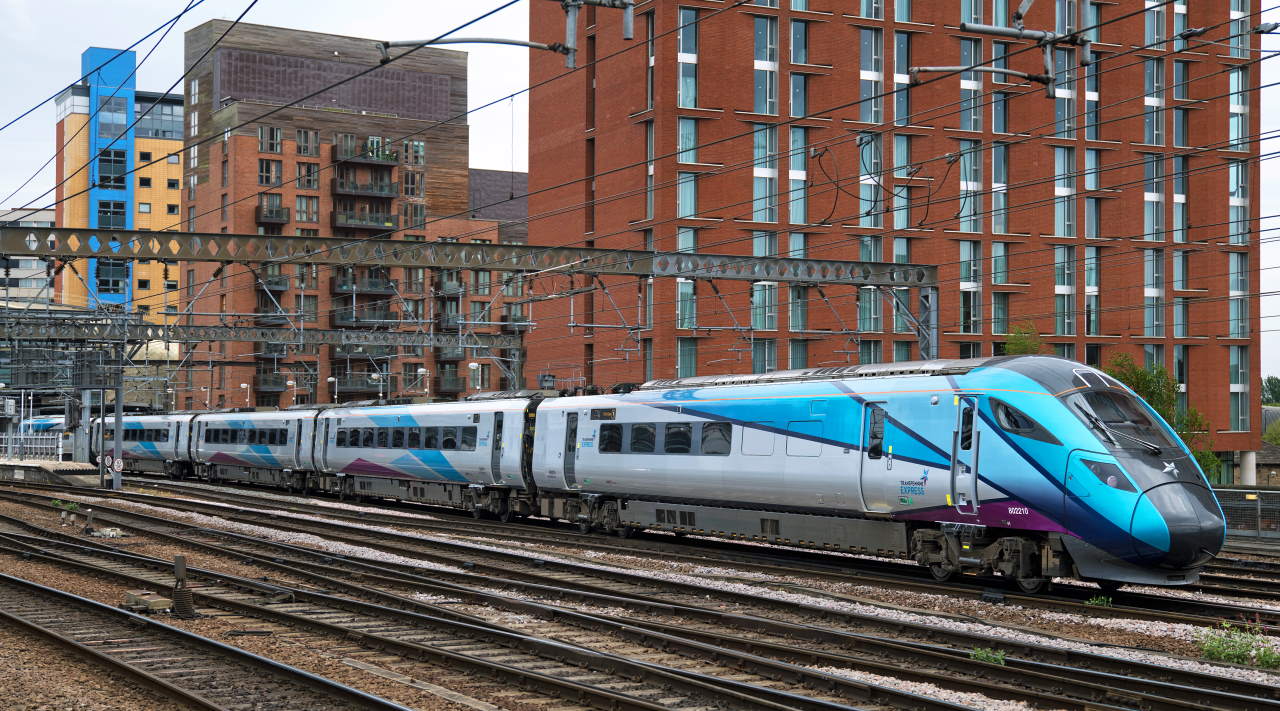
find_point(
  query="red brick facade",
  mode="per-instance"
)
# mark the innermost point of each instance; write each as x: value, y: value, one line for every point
x: 1075, y: 269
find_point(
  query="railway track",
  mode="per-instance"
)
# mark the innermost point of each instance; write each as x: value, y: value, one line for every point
x: 641, y: 676
x: 822, y: 566
x: 654, y: 603
x: 196, y: 671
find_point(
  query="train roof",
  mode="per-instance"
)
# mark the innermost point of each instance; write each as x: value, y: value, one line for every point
x: 1054, y: 372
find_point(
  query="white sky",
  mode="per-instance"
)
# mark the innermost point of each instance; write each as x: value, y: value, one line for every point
x: 43, y: 41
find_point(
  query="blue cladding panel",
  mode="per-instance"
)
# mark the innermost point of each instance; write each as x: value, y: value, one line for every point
x: 110, y: 76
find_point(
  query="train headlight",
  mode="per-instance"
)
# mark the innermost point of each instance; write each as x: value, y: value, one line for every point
x: 1109, y: 474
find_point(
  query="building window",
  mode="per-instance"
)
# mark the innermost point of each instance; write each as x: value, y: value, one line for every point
x: 1153, y: 101
x: 687, y: 59
x: 1154, y: 26
x: 144, y: 208
x: 686, y: 304
x: 870, y: 75
x: 970, y: 186
x: 764, y: 207
x: 308, y: 142
x: 649, y: 36
x: 306, y: 208
x: 799, y: 42
x: 764, y: 306
x: 1153, y: 197
x: 144, y: 182
x: 1237, y: 303
x: 111, y: 215
x: 412, y: 183
x: 970, y: 85
x: 650, y: 151
x: 1064, y: 187
x: 798, y: 354
x: 306, y: 305
x: 901, y: 79
x: 871, y: 9
x: 111, y: 169
x: 901, y: 351
x: 798, y: 308
x: 1153, y: 293
x: 1064, y: 93
x: 999, y: 262
x: 1092, y: 84
x: 686, y: 239
x: 870, y: 311
x: 1000, y: 312
x: 269, y: 139
x: 764, y: 355
x: 870, y: 169
x: 144, y: 285
x: 1238, y: 109
x: 1238, y: 201
x: 686, y: 357
x: 269, y: 172
x: 799, y: 94
x: 308, y: 176
x: 766, y: 66
x: 1064, y: 280
x: 1239, y: 37
x: 797, y: 176
x: 171, y: 209
x: 686, y: 194
x: 870, y: 352
x: 193, y: 123
x: 686, y: 140
x: 971, y: 11
x: 970, y: 320
x: 1240, y: 403
x: 999, y: 188
x: 113, y: 275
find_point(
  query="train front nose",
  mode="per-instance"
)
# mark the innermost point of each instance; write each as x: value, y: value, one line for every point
x: 1178, y: 525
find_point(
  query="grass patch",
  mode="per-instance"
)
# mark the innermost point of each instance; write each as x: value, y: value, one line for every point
x: 992, y: 656
x: 1239, y: 645
x: 1099, y: 601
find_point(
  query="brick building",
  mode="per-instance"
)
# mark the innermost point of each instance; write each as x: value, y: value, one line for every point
x: 1116, y: 216
x: 385, y: 156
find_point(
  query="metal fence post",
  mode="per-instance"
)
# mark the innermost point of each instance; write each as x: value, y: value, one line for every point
x: 1257, y: 521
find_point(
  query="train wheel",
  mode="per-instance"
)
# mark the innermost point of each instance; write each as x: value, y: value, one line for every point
x: 477, y: 513
x: 626, y: 531
x: 941, y: 573
x: 506, y: 516
x: 584, y: 527
x: 1032, y: 586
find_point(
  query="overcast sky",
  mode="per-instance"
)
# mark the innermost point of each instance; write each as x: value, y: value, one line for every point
x: 43, y: 41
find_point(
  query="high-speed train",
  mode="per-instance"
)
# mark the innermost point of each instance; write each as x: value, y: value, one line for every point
x: 1029, y: 467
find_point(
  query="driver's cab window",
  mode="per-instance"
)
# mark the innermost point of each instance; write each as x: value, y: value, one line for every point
x: 875, y: 432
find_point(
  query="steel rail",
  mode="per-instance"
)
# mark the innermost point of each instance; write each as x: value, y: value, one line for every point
x: 1241, y: 694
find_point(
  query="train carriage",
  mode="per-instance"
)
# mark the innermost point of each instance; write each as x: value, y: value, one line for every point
x: 264, y: 447
x: 149, y: 443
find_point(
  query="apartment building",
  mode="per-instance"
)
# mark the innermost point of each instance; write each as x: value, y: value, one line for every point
x: 1114, y: 213
x: 118, y: 168
x: 382, y: 156
x: 26, y: 279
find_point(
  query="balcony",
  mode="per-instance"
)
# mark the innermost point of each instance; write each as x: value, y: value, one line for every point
x: 365, y: 220
x: 449, y: 322
x: 451, y: 384
x: 271, y: 215
x: 270, y: 317
x: 451, y: 353
x: 379, y: 189
x: 270, y: 383
x: 365, y: 318
x: 352, y: 350
x: 449, y: 287
x: 271, y: 350
x: 365, y: 155
x: 363, y: 383
x: 274, y: 282
x: 516, y: 324
x: 367, y: 285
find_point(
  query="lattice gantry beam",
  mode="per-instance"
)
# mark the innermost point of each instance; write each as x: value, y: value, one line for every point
x: 213, y: 247
x: 90, y: 331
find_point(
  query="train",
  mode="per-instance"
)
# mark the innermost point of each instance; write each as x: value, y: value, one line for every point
x: 1025, y: 467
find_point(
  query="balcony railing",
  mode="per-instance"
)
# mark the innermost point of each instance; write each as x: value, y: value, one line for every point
x: 365, y: 154
x: 367, y: 285
x: 271, y: 350
x: 274, y: 282
x: 516, y: 324
x: 270, y: 382
x: 365, y: 317
x: 382, y: 189
x: 272, y: 215
x: 446, y: 384
x: 449, y: 322
x: 449, y: 288
x: 365, y: 220
x: 351, y: 350
x: 264, y: 317
x: 451, y: 353
x: 370, y: 383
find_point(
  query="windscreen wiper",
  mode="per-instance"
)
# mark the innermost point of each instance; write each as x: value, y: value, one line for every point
x: 1112, y: 432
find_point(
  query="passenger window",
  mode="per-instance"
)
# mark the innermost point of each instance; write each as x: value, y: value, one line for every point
x: 367, y: 437
x: 430, y: 438
x: 382, y: 438
x: 397, y: 438
x: 875, y: 432
x: 716, y: 437
x: 642, y: 437
x: 966, y: 427
x: 468, y: 438
x: 341, y: 439
x: 414, y: 438
x: 448, y: 438
x: 678, y: 438
x: 610, y: 439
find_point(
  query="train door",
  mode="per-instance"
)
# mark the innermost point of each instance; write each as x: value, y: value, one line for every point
x: 495, y: 449
x: 873, y: 466
x: 320, y: 443
x: 966, y: 451
x: 570, y: 449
